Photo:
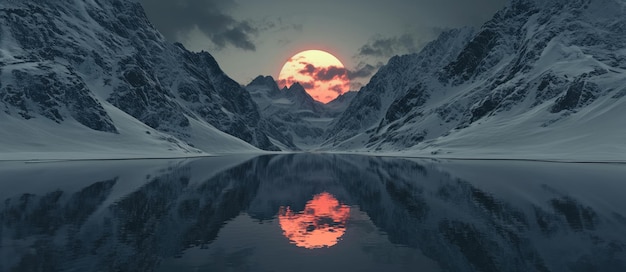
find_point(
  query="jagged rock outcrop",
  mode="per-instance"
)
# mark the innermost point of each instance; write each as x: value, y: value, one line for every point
x: 63, y: 60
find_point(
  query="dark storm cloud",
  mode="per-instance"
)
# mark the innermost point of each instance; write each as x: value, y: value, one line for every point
x: 330, y: 73
x: 174, y: 18
x: 309, y: 69
x: 308, y: 85
x: 323, y: 73
x: 386, y: 47
x: 238, y: 36
x: 363, y: 70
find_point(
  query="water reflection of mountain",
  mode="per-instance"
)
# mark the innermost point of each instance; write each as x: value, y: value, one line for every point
x: 531, y: 220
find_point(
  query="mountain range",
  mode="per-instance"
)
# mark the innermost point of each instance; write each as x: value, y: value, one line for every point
x: 541, y: 79
x: 96, y: 77
x: 292, y: 118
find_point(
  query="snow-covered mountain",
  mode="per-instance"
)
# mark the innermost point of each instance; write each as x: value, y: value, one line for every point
x: 94, y: 76
x: 541, y: 77
x: 290, y: 116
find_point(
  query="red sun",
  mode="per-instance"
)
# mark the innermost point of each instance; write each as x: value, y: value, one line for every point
x: 321, y: 224
x: 321, y: 74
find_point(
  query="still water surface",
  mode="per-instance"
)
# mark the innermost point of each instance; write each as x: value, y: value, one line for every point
x: 312, y: 212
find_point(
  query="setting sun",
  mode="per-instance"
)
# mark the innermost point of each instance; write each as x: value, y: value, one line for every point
x: 321, y: 74
x: 321, y: 224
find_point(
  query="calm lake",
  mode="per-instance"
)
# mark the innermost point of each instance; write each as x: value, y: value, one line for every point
x: 312, y: 212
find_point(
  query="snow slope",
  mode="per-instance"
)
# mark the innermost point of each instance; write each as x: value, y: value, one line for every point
x: 290, y: 116
x: 541, y: 80
x: 95, y: 77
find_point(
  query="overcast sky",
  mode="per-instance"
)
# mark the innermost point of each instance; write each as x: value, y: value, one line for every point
x: 251, y: 37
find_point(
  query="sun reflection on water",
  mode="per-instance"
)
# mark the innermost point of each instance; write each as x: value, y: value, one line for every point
x: 321, y: 224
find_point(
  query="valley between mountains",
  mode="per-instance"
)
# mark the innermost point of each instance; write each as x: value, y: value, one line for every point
x: 95, y: 80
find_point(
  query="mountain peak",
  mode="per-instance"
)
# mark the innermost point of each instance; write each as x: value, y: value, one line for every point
x: 296, y: 90
x: 344, y: 97
x: 264, y: 84
x: 84, y: 58
x: 543, y: 67
x: 263, y: 81
x: 297, y: 87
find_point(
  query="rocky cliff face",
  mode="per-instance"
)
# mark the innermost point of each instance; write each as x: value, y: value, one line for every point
x: 539, y: 72
x: 393, y: 81
x: 291, y: 116
x: 64, y: 60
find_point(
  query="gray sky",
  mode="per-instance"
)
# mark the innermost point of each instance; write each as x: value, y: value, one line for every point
x: 251, y: 37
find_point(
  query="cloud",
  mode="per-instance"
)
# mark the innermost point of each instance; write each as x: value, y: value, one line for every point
x: 387, y: 47
x: 237, y: 36
x: 283, y: 82
x: 379, y: 49
x: 308, y: 85
x: 338, y: 89
x: 324, y: 73
x: 175, y: 19
x: 364, y: 70
x: 329, y: 73
x: 355, y: 85
x: 309, y: 69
